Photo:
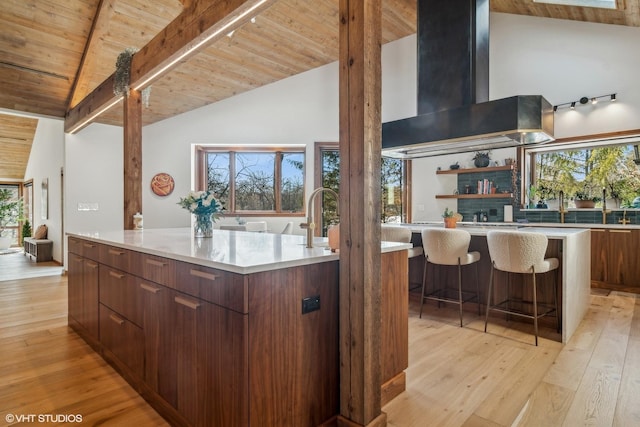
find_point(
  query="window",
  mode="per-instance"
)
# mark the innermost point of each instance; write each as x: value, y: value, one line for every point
x: 586, y: 170
x: 254, y: 181
x: 394, y: 201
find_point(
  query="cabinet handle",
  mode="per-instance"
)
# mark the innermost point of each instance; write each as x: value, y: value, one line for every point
x: 115, y: 252
x: 116, y: 319
x: 89, y: 245
x: 156, y: 263
x: 116, y: 275
x: 187, y: 303
x: 599, y: 230
x: 203, y: 275
x: 92, y: 265
x: 620, y: 231
x: 149, y: 288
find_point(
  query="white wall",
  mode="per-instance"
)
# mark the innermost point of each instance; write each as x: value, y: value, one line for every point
x: 94, y: 177
x: 46, y: 162
x: 562, y: 60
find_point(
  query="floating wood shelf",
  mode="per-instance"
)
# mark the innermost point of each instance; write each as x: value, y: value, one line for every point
x: 475, y: 196
x: 475, y: 170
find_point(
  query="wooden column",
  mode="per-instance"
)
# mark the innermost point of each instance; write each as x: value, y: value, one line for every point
x: 360, y: 284
x: 132, y: 157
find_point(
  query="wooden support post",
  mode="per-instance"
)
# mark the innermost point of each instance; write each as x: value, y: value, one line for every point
x: 360, y: 145
x: 132, y: 157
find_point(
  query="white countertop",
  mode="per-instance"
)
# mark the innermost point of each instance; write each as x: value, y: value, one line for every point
x: 235, y: 251
x: 481, y: 229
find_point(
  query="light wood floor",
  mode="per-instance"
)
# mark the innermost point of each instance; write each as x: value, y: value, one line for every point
x: 456, y: 376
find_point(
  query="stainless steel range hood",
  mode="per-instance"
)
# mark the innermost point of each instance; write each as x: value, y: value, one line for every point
x: 454, y: 113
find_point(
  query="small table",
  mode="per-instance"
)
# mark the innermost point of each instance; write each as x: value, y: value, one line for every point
x: 41, y: 249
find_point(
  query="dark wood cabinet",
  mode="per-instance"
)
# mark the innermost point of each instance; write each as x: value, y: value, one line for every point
x: 196, y: 355
x: 122, y: 339
x: 614, y: 262
x: 83, y: 295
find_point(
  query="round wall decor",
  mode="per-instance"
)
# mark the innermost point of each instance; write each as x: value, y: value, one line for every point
x: 162, y: 184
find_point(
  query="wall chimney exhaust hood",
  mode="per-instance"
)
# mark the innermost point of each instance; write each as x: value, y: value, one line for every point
x: 454, y: 113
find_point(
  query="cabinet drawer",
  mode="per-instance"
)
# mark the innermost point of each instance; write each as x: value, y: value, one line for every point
x: 75, y: 245
x: 123, y: 339
x: 154, y: 268
x: 215, y: 286
x: 91, y: 250
x: 119, y: 292
x: 115, y: 257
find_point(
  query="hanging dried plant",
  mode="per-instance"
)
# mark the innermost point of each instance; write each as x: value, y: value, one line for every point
x: 123, y: 72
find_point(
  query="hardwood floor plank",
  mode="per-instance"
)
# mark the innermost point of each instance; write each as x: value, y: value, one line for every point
x: 594, y: 402
x: 547, y: 406
x: 627, y: 411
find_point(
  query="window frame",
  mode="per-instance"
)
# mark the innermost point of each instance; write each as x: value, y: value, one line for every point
x: 321, y: 146
x: 526, y: 155
x: 201, y: 152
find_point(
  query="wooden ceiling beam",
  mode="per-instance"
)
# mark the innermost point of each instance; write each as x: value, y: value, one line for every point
x: 193, y: 30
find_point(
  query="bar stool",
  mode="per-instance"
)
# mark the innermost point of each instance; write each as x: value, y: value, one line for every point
x: 521, y: 252
x: 396, y: 233
x: 449, y: 246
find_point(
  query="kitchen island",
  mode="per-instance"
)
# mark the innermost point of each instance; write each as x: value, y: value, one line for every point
x: 237, y: 329
x: 570, y: 245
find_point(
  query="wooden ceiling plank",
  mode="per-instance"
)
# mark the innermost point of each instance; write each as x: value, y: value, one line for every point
x: 179, y: 39
x: 94, y: 44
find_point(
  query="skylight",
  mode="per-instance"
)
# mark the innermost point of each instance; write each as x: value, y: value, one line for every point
x: 604, y: 4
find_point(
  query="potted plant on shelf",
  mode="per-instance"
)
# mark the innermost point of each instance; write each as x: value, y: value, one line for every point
x: 9, y: 214
x: 584, y: 199
x: 482, y: 159
x: 450, y: 218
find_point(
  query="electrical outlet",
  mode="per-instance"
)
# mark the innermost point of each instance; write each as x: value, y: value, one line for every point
x: 310, y: 304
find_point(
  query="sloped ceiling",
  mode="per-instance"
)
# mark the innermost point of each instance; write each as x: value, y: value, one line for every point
x: 53, y: 53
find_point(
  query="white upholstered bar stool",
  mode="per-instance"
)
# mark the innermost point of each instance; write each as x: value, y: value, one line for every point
x: 396, y: 233
x: 521, y: 252
x: 448, y: 246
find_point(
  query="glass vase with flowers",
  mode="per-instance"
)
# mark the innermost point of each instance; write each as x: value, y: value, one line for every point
x: 206, y: 209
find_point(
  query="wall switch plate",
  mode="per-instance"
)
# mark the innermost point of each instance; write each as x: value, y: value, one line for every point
x: 310, y: 304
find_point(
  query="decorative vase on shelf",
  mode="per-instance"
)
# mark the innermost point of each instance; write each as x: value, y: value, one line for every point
x: 481, y: 161
x: 203, y: 225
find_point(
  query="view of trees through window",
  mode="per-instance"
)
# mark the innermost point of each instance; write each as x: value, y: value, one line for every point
x: 245, y: 181
x: 392, y: 187
x: 584, y: 174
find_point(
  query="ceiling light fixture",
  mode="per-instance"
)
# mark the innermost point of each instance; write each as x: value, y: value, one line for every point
x: 584, y: 100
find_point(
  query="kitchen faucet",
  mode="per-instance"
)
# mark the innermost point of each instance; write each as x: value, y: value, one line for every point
x: 604, y: 206
x: 561, y: 203
x: 310, y: 224
x: 624, y: 220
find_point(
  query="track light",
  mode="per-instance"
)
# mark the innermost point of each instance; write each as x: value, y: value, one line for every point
x: 583, y: 100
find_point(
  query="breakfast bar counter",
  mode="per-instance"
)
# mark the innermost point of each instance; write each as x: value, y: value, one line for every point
x: 570, y: 245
